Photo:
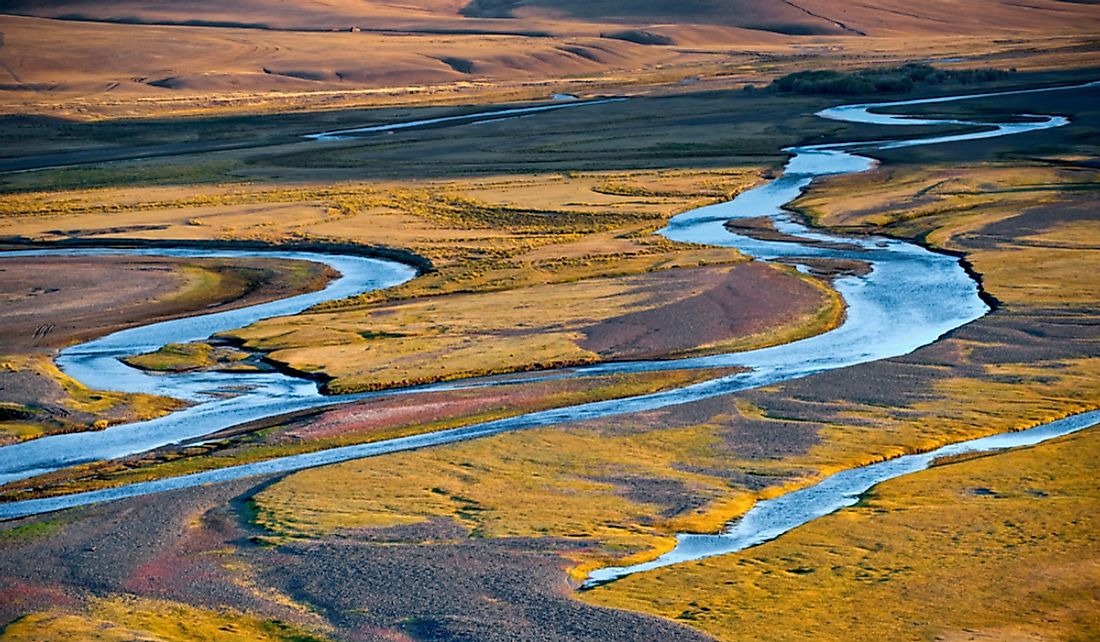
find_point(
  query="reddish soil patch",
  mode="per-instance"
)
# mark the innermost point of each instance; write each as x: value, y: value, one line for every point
x: 391, y: 412
x: 185, y: 563
x: 727, y: 303
x: 387, y: 413
x: 174, y: 546
x: 25, y: 597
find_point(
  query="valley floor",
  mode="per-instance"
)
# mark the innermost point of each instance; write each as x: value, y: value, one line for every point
x: 541, y: 252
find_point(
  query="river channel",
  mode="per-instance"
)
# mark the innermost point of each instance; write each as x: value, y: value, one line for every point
x: 910, y: 297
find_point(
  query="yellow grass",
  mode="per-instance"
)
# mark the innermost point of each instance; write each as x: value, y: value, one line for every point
x: 1049, y: 276
x: 552, y: 241
x: 926, y: 557
x: 539, y: 483
x: 569, y: 495
x: 995, y: 548
x: 103, y: 405
x: 545, y: 253
x: 478, y: 233
x: 182, y: 357
x: 1045, y: 268
x: 462, y: 335
x: 125, y: 618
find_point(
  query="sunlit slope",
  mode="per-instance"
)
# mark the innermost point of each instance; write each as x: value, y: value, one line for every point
x: 809, y: 17
x: 155, y: 60
x: 103, y: 52
x: 263, y: 14
x: 804, y: 17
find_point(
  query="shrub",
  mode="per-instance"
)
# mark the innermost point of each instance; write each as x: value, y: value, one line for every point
x: 889, y: 80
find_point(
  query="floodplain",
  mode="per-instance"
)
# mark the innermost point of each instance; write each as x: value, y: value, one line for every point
x: 538, y: 249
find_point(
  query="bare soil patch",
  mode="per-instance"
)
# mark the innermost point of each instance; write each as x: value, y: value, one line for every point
x: 427, y: 582
x: 49, y: 302
x: 725, y: 304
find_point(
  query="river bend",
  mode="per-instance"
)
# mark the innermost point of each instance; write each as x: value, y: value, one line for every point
x: 910, y: 297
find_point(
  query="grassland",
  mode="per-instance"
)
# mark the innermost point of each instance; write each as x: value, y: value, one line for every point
x: 693, y: 467
x: 543, y: 326
x: 988, y: 548
x: 1002, y: 547
x: 477, y: 539
x: 624, y: 487
x: 120, y: 617
x: 187, y: 357
x: 573, y: 199
x: 516, y: 263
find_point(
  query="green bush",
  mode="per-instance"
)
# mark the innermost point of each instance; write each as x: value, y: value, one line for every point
x: 888, y: 80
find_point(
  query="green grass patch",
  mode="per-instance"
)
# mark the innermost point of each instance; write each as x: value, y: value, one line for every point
x: 32, y: 530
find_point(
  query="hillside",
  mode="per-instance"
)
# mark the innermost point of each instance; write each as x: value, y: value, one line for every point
x: 575, y: 17
x: 105, y: 54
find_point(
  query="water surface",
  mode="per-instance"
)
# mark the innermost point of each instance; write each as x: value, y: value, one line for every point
x: 909, y: 298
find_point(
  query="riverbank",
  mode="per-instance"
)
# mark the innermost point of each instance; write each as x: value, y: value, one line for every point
x: 52, y: 302
x: 878, y: 299
x: 1027, y: 225
x: 999, y: 547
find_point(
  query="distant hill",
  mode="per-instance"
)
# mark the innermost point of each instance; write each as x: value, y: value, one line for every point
x: 561, y: 17
x: 767, y: 15
x: 109, y: 51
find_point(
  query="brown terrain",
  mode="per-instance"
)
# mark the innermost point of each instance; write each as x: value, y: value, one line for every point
x: 191, y: 546
x: 50, y: 302
x: 725, y: 305
x: 539, y: 234
x: 172, y: 60
x: 435, y: 581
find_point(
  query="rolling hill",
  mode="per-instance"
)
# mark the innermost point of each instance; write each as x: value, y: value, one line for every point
x: 103, y: 51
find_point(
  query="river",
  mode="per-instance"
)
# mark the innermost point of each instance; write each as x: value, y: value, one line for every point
x: 909, y: 298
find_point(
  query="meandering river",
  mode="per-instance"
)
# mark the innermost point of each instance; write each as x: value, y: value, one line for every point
x: 910, y: 297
